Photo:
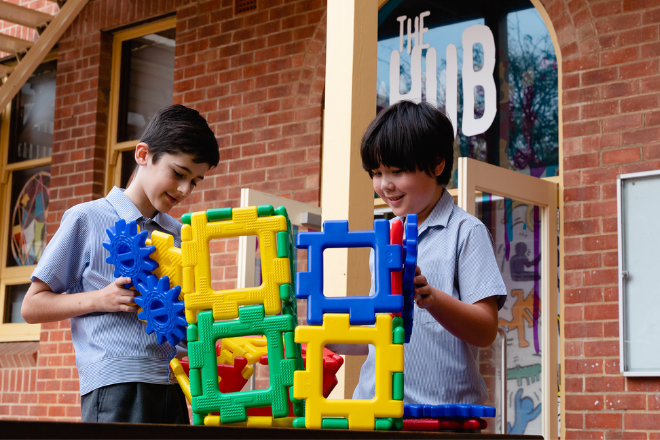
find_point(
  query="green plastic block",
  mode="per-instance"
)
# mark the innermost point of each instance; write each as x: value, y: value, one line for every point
x: 283, y: 244
x: 218, y: 214
x: 397, y: 386
x: 281, y: 210
x: 397, y: 322
x: 203, y: 361
x: 265, y: 210
x: 398, y: 423
x: 286, y: 293
x: 289, y: 345
x: 383, y: 425
x: 185, y: 218
x: 398, y: 335
x: 191, y: 332
x: 195, y: 382
x: 334, y: 424
x: 299, y: 422
x: 198, y: 419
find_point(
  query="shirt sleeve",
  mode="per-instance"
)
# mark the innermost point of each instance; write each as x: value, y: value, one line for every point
x: 66, y: 256
x: 479, y: 276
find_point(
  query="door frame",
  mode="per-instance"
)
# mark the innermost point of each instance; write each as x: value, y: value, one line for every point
x: 474, y: 176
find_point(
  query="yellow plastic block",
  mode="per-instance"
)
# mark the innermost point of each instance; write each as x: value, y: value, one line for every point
x: 168, y: 258
x: 196, y: 263
x: 253, y: 422
x: 308, y: 384
x: 181, y: 377
x: 250, y: 348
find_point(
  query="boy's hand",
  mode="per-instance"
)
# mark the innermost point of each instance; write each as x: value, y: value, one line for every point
x: 423, y: 292
x: 115, y: 298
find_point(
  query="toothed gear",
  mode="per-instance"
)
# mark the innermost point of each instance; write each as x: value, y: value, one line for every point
x: 128, y: 252
x: 162, y: 310
x: 409, y: 265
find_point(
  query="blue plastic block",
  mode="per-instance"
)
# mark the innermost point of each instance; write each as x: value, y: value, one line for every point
x: 361, y: 309
x: 128, y: 252
x: 410, y: 243
x: 438, y: 411
x: 162, y: 310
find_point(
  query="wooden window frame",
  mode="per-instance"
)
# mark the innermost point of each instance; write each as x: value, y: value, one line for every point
x: 115, y: 149
x: 13, y: 332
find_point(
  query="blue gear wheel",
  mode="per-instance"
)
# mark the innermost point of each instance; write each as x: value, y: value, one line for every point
x: 162, y: 310
x: 409, y: 266
x: 128, y: 252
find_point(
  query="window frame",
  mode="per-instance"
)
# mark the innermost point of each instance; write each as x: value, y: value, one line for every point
x: 115, y: 149
x: 9, y: 276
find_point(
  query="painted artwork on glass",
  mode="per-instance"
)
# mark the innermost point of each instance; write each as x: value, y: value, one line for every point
x: 29, y: 209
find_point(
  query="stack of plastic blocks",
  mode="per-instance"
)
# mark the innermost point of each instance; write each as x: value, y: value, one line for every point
x: 446, y: 417
x: 351, y: 320
x: 268, y: 310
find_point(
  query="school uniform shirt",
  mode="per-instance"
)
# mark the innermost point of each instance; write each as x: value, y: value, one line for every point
x: 456, y: 255
x: 111, y: 348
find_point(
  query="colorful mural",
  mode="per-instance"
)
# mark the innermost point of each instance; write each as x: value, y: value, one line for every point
x: 28, y: 220
x: 516, y: 229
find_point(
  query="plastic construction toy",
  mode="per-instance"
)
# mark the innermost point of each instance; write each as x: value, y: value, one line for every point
x: 409, y: 266
x: 362, y: 309
x: 202, y: 337
x: 361, y: 414
x: 129, y: 253
x: 396, y: 237
x: 162, y: 310
x: 201, y: 227
x: 168, y: 258
x: 446, y: 417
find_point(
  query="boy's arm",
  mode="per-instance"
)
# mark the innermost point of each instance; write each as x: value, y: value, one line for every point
x: 41, y: 304
x: 349, y: 349
x: 475, y: 323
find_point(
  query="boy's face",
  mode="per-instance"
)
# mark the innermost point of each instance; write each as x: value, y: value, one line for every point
x: 408, y: 192
x: 169, y: 181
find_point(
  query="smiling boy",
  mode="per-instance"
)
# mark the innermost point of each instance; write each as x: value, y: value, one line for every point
x: 123, y: 372
x: 408, y: 151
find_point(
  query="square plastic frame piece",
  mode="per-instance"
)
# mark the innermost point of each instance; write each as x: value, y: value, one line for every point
x: 308, y: 384
x: 195, y: 238
x: 202, y: 338
x: 362, y: 309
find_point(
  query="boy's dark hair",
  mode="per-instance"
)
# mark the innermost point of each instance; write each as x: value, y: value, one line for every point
x: 178, y: 129
x: 411, y: 137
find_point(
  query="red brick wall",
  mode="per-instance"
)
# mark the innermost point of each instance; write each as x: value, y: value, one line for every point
x: 611, y: 112
x: 257, y: 77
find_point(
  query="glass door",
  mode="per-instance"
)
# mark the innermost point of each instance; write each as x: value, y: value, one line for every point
x: 520, y: 212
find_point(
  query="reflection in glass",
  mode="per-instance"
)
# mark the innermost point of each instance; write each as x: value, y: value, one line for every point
x: 524, y: 135
x: 147, y: 80
x: 516, y: 230
x: 28, y: 210
x: 14, y: 295
x: 531, y: 130
x: 33, y: 112
x: 128, y: 168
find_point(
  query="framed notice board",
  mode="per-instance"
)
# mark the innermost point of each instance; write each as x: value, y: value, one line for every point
x: 638, y: 215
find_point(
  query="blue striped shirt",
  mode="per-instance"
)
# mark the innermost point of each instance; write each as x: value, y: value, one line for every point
x: 110, y: 348
x: 455, y: 250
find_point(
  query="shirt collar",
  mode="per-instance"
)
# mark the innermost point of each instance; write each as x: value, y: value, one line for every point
x: 126, y: 210
x: 440, y: 213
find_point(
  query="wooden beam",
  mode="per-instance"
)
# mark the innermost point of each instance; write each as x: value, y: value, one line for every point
x: 13, y: 45
x: 346, y: 189
x: 23, y: 16
x: 40, y: 49
x: 5, y: 70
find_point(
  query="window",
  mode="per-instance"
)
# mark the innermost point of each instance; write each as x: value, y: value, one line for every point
x: 142, y: 83
x: 491, y: 67
x: 26, y: 143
